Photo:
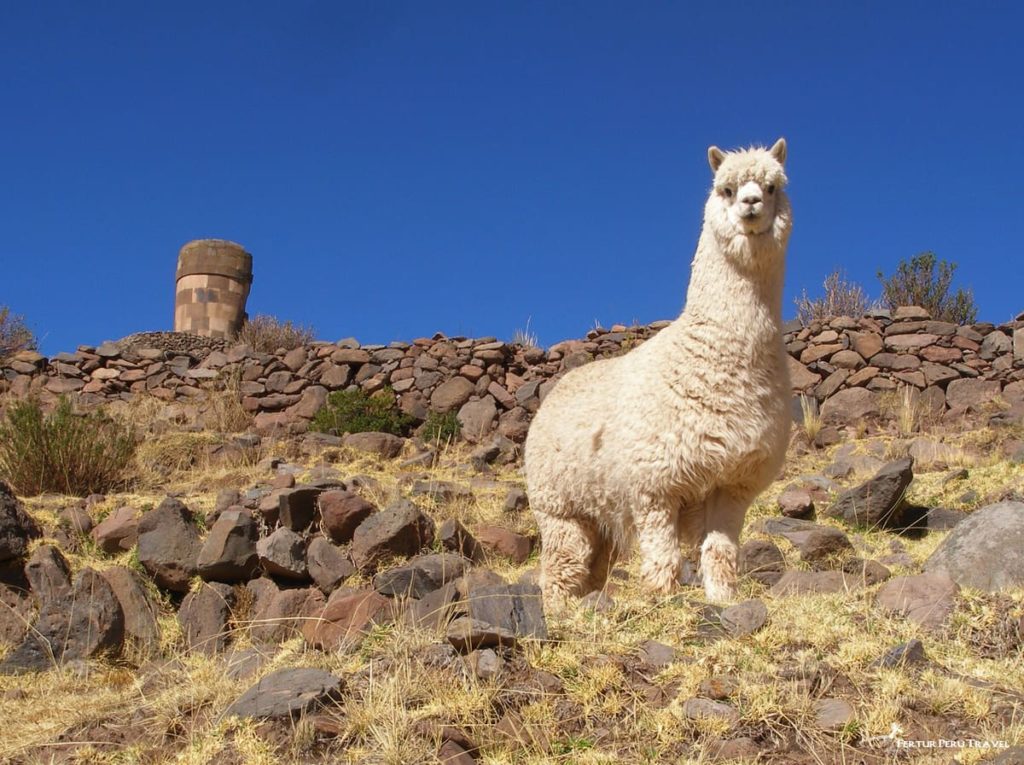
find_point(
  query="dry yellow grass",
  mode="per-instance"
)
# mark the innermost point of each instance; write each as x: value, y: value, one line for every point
x: 169, y: 710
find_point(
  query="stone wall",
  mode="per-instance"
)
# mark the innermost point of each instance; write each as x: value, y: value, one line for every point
x: 848, y: 365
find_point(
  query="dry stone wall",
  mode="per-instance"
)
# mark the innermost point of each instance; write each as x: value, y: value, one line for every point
x: 848, y: 365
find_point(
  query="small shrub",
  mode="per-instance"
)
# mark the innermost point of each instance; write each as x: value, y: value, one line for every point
x: 841, y: 298
x: 442, y: 428
x: 925, y: 281
x: 14, y: 335
x: 267, y: 334
x: 811, y: 419
x: 64, y: 451
x: 525, y: 337
x: 353, y: 411
x: 905, y: 408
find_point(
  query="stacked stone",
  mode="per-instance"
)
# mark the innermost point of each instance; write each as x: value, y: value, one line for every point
x: 955, y: 369
x: 847, y: 364
x: 213, y: 281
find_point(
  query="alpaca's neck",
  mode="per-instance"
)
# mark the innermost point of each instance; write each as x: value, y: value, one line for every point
x: 745, y: 297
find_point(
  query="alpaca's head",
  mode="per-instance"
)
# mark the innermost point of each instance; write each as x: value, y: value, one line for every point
x: 748, y: 208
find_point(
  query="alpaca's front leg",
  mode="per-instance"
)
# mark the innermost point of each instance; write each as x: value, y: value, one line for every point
x: 724, y: 511
x: 661, y: 559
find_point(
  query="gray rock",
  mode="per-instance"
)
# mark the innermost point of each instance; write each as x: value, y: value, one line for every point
x: 927, y: 599
x: 77, y: 519
x: 17, y: 528
x: 985, y: 551
x: 328, y: 565
x: 761, y: 560
x: 297, y: 508
x: 283, y: 554
x: 288, y: 693
x: 878, y: 502
x: 420, y: 576
x: 86, y: 623
x: 169, y: 545
x: 204, y: 617
x: 516, y: 501
x: 454, y: 537
x: 140, y: 613
x: 477, y: 419
x: 744, y: 618
x: 906, y: 654
x: 440, y: 491
x: 499, y: 615
x: 401, y: 529
x: 48, y: 574
x: 229, y: 552
x: 15, y: 615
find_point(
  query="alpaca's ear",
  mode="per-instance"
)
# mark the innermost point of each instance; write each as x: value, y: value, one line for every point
x: 715, y: 158
x: 779, y: 151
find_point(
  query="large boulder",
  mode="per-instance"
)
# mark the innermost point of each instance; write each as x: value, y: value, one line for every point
x: 81, y: 624
x: 17, y: 528
x: 400, y: 529
x: 341, y: 512
x: 204, y: 617
x: 879, y: 502
x: 229, y: 552
x: 283, y: 554
x: 169, y: 545
x: 986, y: 550
x: 140, y: 612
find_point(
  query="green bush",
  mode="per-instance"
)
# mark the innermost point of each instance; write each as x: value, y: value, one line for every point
x: 442, y: 428
x: 268, y: 334
x: 63, y: 452
x: 353, y: 411
x: 14, y: 335
x: 925, y: 281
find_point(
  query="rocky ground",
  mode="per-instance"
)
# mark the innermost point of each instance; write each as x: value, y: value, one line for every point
x: 374, y: 600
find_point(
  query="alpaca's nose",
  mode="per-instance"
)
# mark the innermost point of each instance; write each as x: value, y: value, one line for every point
x: 751, y: 199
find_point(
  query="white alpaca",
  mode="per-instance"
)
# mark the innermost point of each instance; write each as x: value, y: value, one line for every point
x: 670, y: 443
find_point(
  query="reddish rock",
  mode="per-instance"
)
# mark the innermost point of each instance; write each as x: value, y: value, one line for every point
x: 204, y: 617
x: 501, y: 541
x: 451, y: 394
x: 341, y: 513
x: 384, y: 444
x: 346, y: 618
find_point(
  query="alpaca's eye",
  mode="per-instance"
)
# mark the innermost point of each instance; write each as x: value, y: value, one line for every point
x: 727, y: 191
x: 771, y: 188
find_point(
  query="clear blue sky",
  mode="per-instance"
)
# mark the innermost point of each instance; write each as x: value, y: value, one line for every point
x: 398, y: 169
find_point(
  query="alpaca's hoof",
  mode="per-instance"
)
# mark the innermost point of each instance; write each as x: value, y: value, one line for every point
x: 719, y: 592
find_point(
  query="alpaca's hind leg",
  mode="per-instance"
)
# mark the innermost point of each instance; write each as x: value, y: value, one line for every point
x: 567, y: 549
x: 719, y: 552
x: 601, y: 565
x: 661, y: 560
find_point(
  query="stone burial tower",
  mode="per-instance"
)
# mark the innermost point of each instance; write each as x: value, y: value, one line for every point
x: 213, y: 281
